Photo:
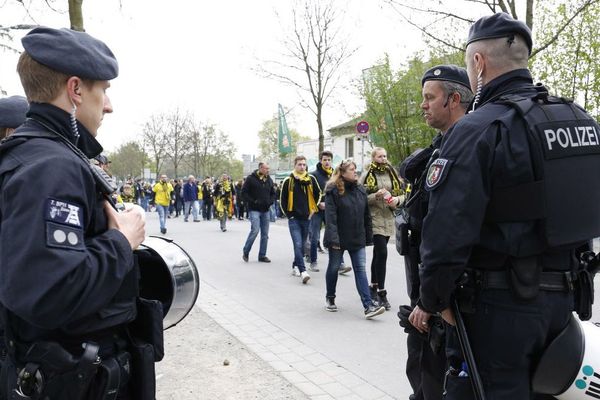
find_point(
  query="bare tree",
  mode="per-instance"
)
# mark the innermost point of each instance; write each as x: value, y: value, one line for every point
x: 437, y: 16
x: 315, y: 52
x: 155, y: 138
x: 178, y: 138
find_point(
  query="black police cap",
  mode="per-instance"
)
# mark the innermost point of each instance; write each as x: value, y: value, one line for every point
x: 72, y: 53
x: 450, y: 73
x: 12, y: 111
x: 497, y: 26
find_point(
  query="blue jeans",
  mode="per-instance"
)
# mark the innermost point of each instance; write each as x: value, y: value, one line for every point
x: 259, y: 221
x: 315, y: 234
x: 299, y: 232
x: 162, y: 211
x: 186, y: 211
x: 359, y: 260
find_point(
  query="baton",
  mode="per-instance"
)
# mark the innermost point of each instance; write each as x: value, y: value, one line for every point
x: 465, y: 346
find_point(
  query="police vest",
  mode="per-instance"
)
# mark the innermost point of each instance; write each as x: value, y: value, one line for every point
x: 564, y: 143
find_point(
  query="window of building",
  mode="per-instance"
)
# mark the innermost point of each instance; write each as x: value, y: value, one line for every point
x: 349, y: 147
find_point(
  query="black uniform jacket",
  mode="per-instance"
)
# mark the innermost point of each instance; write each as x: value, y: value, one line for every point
x: 64, y: 274
x: 348, y: 218
x: 487, y: 148
x: 258, y: 194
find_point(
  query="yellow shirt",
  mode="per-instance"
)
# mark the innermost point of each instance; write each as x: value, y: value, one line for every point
x: 163, y: 193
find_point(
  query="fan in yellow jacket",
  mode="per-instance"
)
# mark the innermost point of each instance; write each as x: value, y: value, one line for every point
x: 162, y: 192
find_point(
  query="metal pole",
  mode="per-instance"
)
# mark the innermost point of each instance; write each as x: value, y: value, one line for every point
x: 467, y: 351
x: 362, y: 153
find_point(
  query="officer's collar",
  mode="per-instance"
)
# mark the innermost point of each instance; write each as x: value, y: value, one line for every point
x: 504, y: 84
x: 47, y: 116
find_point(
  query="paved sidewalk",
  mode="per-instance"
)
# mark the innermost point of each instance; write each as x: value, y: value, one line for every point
x: 194, y: 366
x: 310, y: 371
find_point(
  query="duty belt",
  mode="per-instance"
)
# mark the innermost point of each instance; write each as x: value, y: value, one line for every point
x: 549, y: 281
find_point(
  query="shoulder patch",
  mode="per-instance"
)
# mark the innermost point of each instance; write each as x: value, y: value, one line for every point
x: 437, y: 173
x: 62, y: 212
x: 64, y: 237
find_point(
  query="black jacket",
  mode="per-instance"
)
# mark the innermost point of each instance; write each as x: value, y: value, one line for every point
x: 64, y: 273
x: 258, y: 194
x: 300, y: 207
x: 347, y: 216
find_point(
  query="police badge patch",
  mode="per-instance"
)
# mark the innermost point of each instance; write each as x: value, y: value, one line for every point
x: 64, y: 213
x: 436, y: 173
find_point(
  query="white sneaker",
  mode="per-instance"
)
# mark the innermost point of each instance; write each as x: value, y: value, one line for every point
x: 305, y: 277
x: 295, y: 271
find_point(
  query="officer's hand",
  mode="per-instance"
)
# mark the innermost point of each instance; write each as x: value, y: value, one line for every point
x: 130, y: 223
x: 419, y: 318
x: 448, y: 316
x: 321, y: 206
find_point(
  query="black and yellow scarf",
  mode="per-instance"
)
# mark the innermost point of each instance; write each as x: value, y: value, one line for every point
x: 328, y: 171
x: 371, y: 178
x: 305, y: 179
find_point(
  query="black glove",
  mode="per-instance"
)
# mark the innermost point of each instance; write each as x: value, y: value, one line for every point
x: 403, y: 313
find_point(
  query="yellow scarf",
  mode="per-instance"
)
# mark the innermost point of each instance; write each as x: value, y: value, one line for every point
x: 371, y: 178
x: 328, y: 171
x: 304, y: 177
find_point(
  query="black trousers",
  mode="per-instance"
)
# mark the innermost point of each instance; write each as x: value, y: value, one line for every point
x: 424, y: 368
x: 508, y: 335
x: 378, y: 264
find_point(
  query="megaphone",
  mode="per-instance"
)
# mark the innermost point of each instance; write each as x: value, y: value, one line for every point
x: 569, y: 368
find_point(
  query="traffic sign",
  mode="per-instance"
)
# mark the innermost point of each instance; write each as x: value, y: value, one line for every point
x: 362, y: 127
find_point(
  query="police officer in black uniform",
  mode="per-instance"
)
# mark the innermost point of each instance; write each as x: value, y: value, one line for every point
x: 69, y: 281
x: 12, y: 114
x: 513, y: 194
x: 446, y: 95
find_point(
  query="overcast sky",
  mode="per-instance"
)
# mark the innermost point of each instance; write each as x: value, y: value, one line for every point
x: 199, y: 55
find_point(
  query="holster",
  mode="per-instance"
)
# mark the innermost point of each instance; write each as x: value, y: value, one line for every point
x: 146, y: 348
x: 52, y: 372
x: 584, y: 294
x: 148, y: 325
x: 524, y: 275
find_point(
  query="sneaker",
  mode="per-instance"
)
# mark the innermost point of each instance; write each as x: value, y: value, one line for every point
x: 313, y: 267
x: 330, y: 304
x: 373, y: 311
x: 185, y: 220
x: 245, y: 257
x: 163, y: 230
x: 344, y: 268
x: 295, y: 271
x: 320, y: 249
x: 196, y: 220
x: 305, y: 276
x: 382, y: 298
x: 264, y: 259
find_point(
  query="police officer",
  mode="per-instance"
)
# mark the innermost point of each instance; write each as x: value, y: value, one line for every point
x: 446, y: 95
x: 12, y: 114
x: 513, y: 193
x: 69, y: 282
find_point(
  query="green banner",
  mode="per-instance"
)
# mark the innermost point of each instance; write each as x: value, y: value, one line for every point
x: 284, y: 140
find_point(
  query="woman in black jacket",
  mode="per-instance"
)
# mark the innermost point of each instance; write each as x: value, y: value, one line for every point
x: 348, y: 227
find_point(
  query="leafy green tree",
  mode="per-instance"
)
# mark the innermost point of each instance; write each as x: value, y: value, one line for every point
x: 393, y: 101
x: 128, y: 160
x: 569, y: 67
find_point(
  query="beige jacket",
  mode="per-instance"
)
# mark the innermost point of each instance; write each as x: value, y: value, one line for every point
x: 381, y: 213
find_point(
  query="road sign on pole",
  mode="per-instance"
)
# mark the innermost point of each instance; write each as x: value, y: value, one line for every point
x: 362, y: 127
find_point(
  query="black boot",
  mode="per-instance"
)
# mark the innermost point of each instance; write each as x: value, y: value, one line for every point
x: 373, y: 292
x: 382, y: 297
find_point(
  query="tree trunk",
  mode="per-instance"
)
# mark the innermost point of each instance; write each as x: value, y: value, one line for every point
x: 320, y: 125
x: 76, y: 15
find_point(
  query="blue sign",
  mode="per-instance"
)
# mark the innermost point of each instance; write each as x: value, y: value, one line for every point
x: 362, y: 127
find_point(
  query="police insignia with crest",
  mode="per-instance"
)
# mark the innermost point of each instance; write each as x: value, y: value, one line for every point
x: 436, y: 173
